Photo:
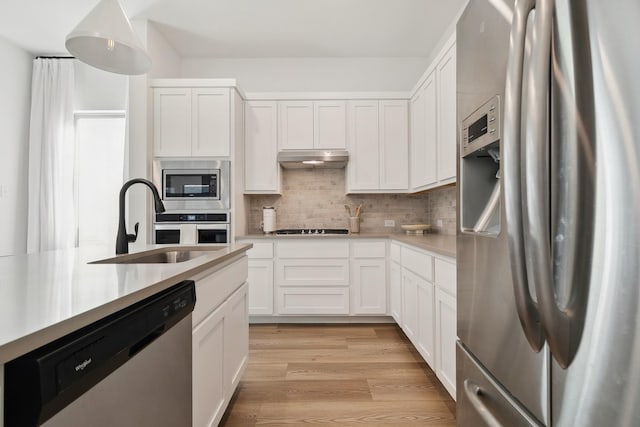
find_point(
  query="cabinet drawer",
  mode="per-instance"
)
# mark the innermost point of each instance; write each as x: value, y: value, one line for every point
x: 368, y: 249
x: 394, y: 252
x: 313, y: 272
x: 418, y: 262
x: 445, y: 276
x: 261, y: 250
x: 212, y: 289
x: 318, y: 248
x: 313, y: 300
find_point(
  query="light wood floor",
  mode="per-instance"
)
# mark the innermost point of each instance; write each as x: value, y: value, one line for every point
x: 337, y: 375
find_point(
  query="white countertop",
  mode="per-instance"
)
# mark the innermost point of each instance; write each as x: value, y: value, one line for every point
x: 442, y: 244
x: 47, y: 295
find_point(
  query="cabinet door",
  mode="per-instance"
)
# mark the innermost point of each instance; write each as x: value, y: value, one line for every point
x: 208, y: 344
x: 446, y: 337
x: 261, y: 171
x: 395, y: 292
x: 424, y: 134
x: 172, y: 122
x: 260, y: 287
x: 410, y: 305
x: 426, y: 320
x: 368, y: 286
x: 329, y: 125
x: 236, y: 338
x: 364, y: 164
x: 447, y: 126
x: 296, y: 125
x: 210, y: 122
x: 394, y: 145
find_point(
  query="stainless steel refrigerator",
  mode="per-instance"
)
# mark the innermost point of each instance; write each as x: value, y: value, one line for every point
x: 549, y: 213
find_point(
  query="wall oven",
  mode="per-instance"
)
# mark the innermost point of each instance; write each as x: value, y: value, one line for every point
x: 192, y: 185
x: 191, y: 228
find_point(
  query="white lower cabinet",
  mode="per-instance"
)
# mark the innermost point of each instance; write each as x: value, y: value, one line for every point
x: 395, y: 291
x: 410, y: 305
x: 426, y: 285
x: 208, y: 370
x: 260, y: 287
x: 220, y: 340
x: 425, y: 340
x: 446, y: 340
x: 368, y: 277
x: 312, y: 277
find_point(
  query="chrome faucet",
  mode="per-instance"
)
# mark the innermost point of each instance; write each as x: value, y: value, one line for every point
x: 122, y: 238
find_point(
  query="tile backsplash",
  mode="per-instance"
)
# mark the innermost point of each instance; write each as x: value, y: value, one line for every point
x: 315, y: 198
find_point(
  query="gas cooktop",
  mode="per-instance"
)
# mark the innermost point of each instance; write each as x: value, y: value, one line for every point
x: 313, y: 231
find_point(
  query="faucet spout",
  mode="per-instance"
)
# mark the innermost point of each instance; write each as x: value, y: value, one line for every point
x: 122, y: 238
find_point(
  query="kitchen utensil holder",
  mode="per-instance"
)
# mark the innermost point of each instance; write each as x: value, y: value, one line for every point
x: 354, y: 224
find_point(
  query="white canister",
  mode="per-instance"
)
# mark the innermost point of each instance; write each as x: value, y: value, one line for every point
x: 268, y: 219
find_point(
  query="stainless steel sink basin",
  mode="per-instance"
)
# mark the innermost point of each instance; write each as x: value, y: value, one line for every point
x: 169, y: 255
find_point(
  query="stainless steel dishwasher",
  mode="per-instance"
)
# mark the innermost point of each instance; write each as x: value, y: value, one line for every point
x: 132, y: 368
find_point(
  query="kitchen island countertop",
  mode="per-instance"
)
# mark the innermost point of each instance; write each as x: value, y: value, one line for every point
x: 442, y: 244
x: 46, y: 295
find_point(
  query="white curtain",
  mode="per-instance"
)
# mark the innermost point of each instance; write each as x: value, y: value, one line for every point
x: 51, y: 217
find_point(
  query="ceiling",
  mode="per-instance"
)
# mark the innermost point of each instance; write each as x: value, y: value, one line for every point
x: 252, y: 28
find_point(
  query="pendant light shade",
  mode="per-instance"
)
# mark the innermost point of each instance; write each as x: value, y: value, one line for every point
x: 105, y: 40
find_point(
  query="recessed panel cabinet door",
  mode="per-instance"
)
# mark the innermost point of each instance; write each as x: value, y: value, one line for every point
x: 261, y: 171
x: 395, y: 291
x: 296, y: 125
x: 446, y: 336
x: 208, y: 369
x: 260, y: 286
x: 364, y: 162
x: 210, y: 122
x: 172, y: 122
x: 447, y: 126
x: 394, y: 145
x: 426, y: 319
x: 368, y: 286
x: 424, y: 135
x: 410, y: 305
x: 329, y: 125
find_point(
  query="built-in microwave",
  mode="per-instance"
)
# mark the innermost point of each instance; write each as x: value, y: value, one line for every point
x: 192, y: 185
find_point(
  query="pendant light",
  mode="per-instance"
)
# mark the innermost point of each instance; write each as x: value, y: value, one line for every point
x: 105, y: 40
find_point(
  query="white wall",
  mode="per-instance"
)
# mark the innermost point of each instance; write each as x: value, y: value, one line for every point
x: 15, y: 104
x: 98, y: 90
x: 310, y: 74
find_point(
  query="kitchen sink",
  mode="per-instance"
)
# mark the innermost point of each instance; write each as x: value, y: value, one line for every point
x: 169, y: 255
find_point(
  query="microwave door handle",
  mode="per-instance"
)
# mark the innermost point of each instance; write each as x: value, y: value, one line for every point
x: 563, y: 326
x: 525, y: 305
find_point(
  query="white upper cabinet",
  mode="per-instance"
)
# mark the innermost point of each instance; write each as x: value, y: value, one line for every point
x: 394, y: 147
x: 447, y: 127
x: 423, y: 134
x: 363, y: 173
x: 378, y: 146
x: 261, y: 170
x: 296, y: 125
x: 312, y: 125
x: 433, y: 124
x: 330, y: 124
x: 191, y: 122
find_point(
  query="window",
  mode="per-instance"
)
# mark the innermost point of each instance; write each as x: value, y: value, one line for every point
x: 100, y: 155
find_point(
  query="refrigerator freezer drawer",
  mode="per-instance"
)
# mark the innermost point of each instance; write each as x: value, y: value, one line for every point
x: 482, y: 401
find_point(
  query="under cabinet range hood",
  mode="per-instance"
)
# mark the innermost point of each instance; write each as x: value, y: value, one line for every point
x: 306, y: 159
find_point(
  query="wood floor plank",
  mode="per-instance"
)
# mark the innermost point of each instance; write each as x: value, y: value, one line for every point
x: 352, y: 370
x: 346, y: 414
x: 336, y: 375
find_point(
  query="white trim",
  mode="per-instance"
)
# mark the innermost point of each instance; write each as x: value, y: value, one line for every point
x: 281, y: 96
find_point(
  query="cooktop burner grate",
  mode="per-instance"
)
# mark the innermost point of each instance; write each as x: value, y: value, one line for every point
x: 312, y: 231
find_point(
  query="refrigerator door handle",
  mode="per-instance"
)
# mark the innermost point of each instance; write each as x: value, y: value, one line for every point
x: 563, y: 327
x: 474, y: 394
x: 525, y: 305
